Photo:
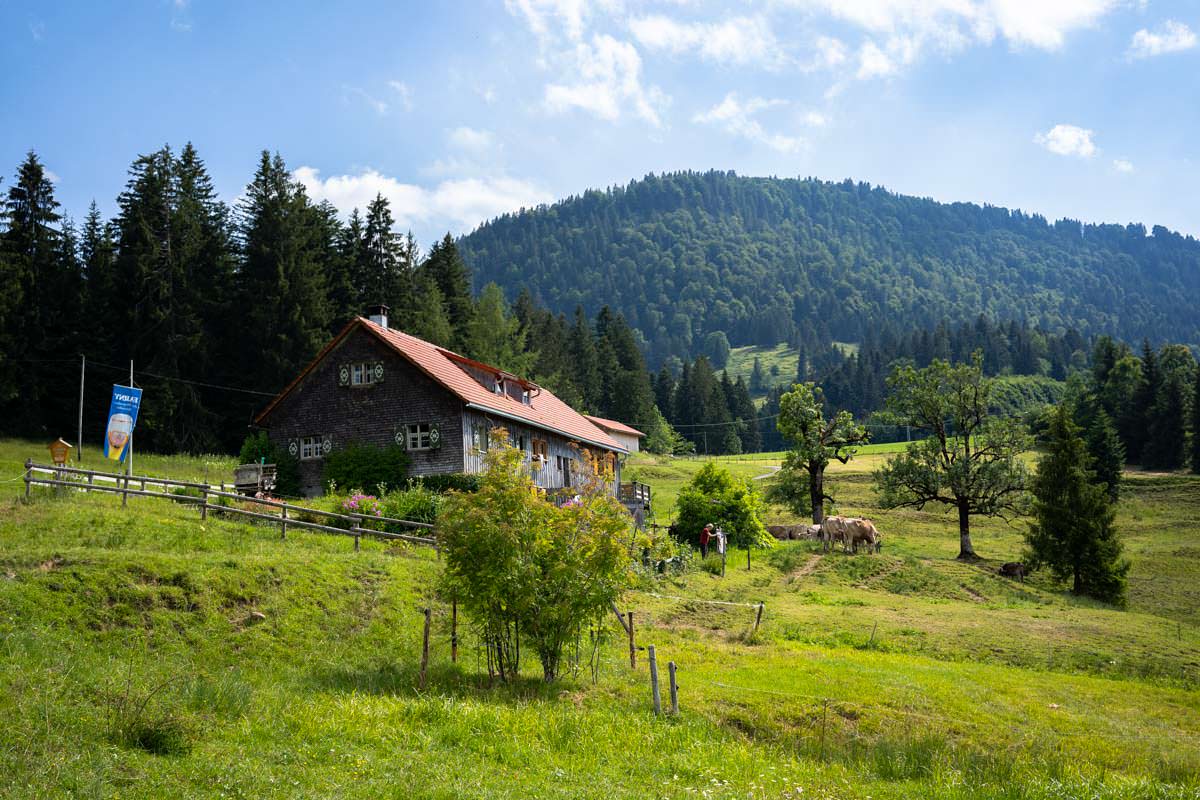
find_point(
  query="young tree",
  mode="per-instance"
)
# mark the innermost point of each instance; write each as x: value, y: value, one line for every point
x: 758, y: 378
x: 1072, y: 532
x: 495, y: 334
x: 969, y: 461
x: 525, y: 569
x: 447, y: 269
x: 815, y: 442
x: 1107, y: 452
x: 732, y: 504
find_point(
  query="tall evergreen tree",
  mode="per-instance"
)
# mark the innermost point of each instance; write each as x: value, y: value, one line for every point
x: 30, y: 257
x: 1106, y: 451
x: 1165, y: 443
x: 282, y: 282
x: 448, y: 271
x: 585, y: 372
x: 1196, y: 426
x: 495, y: 334
x: 1073, y: 531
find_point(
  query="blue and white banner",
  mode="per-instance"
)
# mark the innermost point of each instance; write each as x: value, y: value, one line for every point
x: 122, y: 416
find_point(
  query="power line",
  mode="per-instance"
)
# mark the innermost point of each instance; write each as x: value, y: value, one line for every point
x: 140, y: 372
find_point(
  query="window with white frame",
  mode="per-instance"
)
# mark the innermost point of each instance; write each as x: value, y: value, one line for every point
x: 362, y: 374
x: 419, y: 436
x: 310, y: 448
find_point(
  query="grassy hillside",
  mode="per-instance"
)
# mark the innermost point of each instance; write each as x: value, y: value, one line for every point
x: 134, y: 662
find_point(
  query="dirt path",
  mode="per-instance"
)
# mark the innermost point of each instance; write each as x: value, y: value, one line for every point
x: 806, y: 569
x: 766, y: 475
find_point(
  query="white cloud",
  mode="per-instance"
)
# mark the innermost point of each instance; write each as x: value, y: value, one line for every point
x: 814, y: 119
x: 1122, y: 165
x: 740, y: 40
x: 380, y: 107
x: 735, y: 116
x: 404, y: 92
x: 1171, y: 37
x: 828, y: 53
x: 873, y: 62
x: 1068, y: 140
x: 471, y: 140
x: 607, y: 75
x: 458, y: 204
x: 539, y: 15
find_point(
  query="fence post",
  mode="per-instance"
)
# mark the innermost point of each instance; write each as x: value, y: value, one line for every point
x: 283, y: 523
x: 425, y: 650
x: 674, y: 688
x: 204, y: 503
x: 125, y: 494
x: 91, y: 478
x: 632, y: 647
x: 747, y: 557
x: 758, y: 616
x: 654, y: 682
x: 454, y: 631
x: 357, y: 530
x: 28, y: 470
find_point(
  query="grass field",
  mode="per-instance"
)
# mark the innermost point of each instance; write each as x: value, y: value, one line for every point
x: 134, y: 663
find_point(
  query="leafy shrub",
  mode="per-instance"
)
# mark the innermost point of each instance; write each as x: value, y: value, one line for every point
x: 361, y: 466
x: 732, y: 504
x: 258, y: 448
x: 453, y: 482
x: 417, y: 504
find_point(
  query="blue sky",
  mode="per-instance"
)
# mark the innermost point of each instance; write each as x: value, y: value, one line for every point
x: 1080, y: 108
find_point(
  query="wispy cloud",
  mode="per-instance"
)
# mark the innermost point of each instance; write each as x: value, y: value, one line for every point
x: 604, y: 78
x: 403, y: 92
x: 1068, y: 140
x: 1171, y: 37
x: 457, y: 204
x: 1122, y: 165
x: 739, y: 40
x: 736, y: 116
x: 380, y: 107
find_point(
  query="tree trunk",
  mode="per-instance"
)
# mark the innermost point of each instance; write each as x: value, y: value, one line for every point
x: 816, y: 493
x: 965, y: 551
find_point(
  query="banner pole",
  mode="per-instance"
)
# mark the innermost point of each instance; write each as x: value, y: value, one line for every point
x: 130, y: 467
x: 79, y: 442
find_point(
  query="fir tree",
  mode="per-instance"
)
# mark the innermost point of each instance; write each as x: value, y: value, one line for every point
x: 582, y: 346
x: 1165, y: 445
x: 495, y: 334
x: 1073, y: 531
x: 1106, y: 451
x: 758, y: 379
x: 1196, y: 426
x: 445, y: 266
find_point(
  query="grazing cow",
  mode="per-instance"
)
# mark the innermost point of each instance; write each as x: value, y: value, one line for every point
x: 833, y: 529
x: 861, y: 531
x: 1014, y: 569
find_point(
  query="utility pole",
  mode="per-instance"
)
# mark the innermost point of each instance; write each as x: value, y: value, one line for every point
x: 79, y: 442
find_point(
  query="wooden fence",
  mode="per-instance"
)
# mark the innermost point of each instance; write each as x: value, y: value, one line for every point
x: 199, y: 493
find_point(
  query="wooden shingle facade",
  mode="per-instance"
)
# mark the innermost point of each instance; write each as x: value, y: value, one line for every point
x: 376, y: 386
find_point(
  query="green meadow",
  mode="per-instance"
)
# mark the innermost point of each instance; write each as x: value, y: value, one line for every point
x: 145, y: 654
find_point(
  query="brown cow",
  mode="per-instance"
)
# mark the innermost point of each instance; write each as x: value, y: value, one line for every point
x: 862, y: 530
x: 833, y: 529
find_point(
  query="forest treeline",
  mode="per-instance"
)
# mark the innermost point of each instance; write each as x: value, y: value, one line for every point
x: 768, y: 260
x: 219, y: 307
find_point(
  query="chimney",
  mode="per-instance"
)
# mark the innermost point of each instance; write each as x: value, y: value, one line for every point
x: 378, y: 314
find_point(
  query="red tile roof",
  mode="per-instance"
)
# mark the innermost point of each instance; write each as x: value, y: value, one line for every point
x: 543, y: 411
x: 613, y: 426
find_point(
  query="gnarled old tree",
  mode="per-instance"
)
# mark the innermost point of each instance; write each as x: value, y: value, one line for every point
x: 815, y: 442
x: 969, y: 459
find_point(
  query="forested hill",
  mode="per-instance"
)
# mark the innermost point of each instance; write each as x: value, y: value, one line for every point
x: 767, y: 260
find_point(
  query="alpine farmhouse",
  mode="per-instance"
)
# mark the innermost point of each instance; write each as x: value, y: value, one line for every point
x: 375, y: 385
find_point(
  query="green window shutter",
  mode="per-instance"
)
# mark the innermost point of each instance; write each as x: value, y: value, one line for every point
x: 400, y: 436
x: 344, y: 375
x: 377, y: 369
x: 435, y: 436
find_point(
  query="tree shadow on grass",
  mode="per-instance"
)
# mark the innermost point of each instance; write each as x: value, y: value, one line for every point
x: 400, y: 679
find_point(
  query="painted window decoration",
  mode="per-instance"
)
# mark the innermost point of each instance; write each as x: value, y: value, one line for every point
x: 314, y: 447
x: 360, y: 373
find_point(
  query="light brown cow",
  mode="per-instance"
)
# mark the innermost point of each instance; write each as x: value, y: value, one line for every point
x: 833, y: 529
x: 862, y: 531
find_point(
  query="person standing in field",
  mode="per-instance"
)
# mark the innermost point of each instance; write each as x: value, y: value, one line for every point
x: 705, y: 536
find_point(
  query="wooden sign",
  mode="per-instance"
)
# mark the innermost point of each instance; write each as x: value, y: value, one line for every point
x: 60, y: 451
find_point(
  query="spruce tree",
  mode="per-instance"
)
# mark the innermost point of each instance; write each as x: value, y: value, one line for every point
x: 281, y: 281
x: 1106, y: 451
x: 495, y: 334
x: 1072, y: 532
x: 1165, y: 444
x: 1142, y: 407
x: 758, y: 379
x: 447, y: 269
x: 585, y: 367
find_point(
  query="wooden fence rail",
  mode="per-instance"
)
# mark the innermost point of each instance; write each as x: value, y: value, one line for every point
x: 356, y: 529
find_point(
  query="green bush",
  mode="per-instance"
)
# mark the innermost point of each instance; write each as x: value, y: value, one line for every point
x: 258, y: 448
x: 416, y: 504
x: 453, y: 482
x: 732, y: 504
x: 366, y: 467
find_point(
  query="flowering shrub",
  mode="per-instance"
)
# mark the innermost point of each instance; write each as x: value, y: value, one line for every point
x: 365, y: 504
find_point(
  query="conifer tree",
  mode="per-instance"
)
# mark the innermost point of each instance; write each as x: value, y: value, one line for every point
x: 743, y: 409
x: 1073, y: 533
x: 495, y: 334
x: 758, y: 378
x: 1141, y: 410
x: 282, y: 282
x: 1165, y: 444
x: 447, y: 269
x: 1106, y: 451
x: 582, y: 346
